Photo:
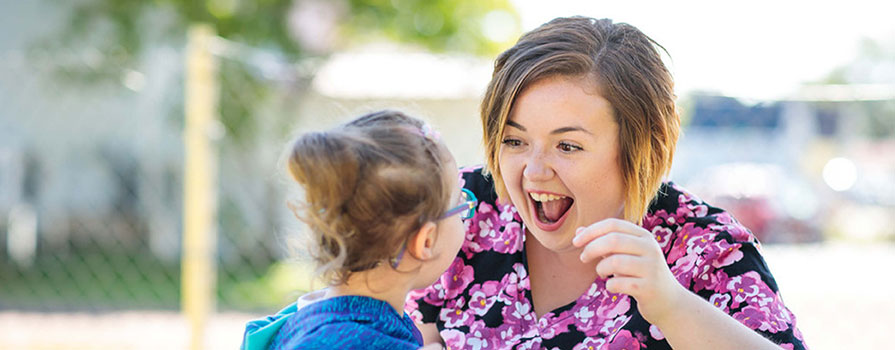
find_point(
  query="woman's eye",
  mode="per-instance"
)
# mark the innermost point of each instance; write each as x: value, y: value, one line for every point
x: 568, y: 147
x: 512, y: 142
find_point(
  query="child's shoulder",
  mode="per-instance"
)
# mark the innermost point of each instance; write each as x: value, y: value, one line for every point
x: 343, y: 322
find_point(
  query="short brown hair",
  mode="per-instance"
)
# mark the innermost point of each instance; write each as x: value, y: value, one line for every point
x: 369, y: 185
x: 625, y: 66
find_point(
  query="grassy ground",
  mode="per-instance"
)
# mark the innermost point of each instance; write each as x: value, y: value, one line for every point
x: 108, y: 281
x: 840, y: 293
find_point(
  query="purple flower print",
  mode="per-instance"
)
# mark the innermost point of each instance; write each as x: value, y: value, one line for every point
x: 613, y: 325
x: 412, y: 307
x: 590, y: 344
x: 624, y: 340
x: 504, y: 336
x: 522, y: 276
x: 483, y: 218
x: 663, y: 236
x: 722, y: 254
x: 778, y: 318
x: 720, y: 301
x: 763, y: 300
x: 509, y: 213
x: 753, y: 318
x: 656, y: 333
x: 514, y: 284
x: 651, y: 220
x: 586, y: 319
x: 510, y: 240
x: 614, y: 305
x: 456, y: 278
x: 685, y: 209
x: 453, y: 314
x: 518, y: 312
x: 550, y: 325
x: 484, y: 225
x: 698, y: 240
x: 482, y: 297
x: 480, y: 338
x: 683, y: 269
x: 744, y: 286
x: 464, y: 170
x: 698, y: 210
x: 530, y: 344
x: 680, y: 247
x: 433, y: 295
x: 727, y: 223
x: 713, y: 280
x: 453, y: 339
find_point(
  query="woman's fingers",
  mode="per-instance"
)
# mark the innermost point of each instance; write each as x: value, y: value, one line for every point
x: 625, y: 285
x: 601, y: 228
x: 622, y: 265
x: 614, y: 243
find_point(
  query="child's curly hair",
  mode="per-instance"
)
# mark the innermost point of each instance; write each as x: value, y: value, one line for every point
x: 369, y: 185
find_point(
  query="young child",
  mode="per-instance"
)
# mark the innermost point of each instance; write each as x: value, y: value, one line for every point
x: 384, y: 206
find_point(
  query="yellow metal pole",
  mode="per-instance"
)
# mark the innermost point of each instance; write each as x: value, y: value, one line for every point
x: 198, y: 275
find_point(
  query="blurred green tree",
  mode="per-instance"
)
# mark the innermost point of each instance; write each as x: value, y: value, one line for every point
x: 874, y: 64
x: 292, y: 30
x: 464, y: 25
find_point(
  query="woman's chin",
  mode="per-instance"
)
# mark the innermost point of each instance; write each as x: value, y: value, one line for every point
x: 558, y: 240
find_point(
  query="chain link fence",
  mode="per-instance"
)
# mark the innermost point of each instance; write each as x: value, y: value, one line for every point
x: 91, y: 178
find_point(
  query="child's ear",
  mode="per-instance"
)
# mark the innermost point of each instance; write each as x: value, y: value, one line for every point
x: 422, y: 244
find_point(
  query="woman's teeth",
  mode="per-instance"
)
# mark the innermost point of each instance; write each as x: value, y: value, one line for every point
x: 544, y: 197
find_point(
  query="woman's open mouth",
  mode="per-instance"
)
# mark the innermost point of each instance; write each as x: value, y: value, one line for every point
x: 550, y: 210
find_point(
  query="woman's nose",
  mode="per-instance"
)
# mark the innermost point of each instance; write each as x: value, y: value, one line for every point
x: 537, y: 168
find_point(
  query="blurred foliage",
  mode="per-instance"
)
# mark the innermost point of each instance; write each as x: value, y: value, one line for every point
x: 437, y: 24
x: 874, y: 64
x: 440, y: 25
x: 281, y: 284
x: 290, y: 29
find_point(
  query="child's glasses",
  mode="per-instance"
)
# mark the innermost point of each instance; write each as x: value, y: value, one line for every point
x: 466, y: 209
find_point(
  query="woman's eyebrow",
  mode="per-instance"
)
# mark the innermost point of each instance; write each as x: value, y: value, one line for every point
x: 570, y: 129
x: 515, y: 125
x: 561, y: 130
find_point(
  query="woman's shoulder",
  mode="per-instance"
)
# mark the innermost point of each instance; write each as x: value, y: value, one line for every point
x: 675, y: 209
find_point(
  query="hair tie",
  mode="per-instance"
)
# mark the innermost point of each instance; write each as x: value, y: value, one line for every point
x: 430, y: 133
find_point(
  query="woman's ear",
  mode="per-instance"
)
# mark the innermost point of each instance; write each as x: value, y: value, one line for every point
x: 422, y: 244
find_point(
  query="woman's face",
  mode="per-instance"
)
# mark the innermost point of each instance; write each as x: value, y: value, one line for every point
x: 559, y: 159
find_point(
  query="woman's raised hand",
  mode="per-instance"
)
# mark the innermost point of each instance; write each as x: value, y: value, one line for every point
x: 633, y: 262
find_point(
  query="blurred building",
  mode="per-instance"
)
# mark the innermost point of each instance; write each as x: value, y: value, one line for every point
x: 791, y: 169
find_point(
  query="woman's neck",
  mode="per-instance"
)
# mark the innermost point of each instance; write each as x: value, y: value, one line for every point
x: 556, y: 278
x: 379, y: 283
x: 566, y: 260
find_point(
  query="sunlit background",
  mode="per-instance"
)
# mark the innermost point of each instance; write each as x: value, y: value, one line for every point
x: 788, y: 107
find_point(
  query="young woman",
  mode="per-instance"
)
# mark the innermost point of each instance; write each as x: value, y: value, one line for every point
x: 578, y: 241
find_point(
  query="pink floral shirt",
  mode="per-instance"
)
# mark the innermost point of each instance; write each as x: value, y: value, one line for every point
x: 483, y: 301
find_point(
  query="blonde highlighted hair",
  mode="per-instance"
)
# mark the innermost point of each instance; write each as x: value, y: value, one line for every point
x: 628, y: 71
x: 369, y: 185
